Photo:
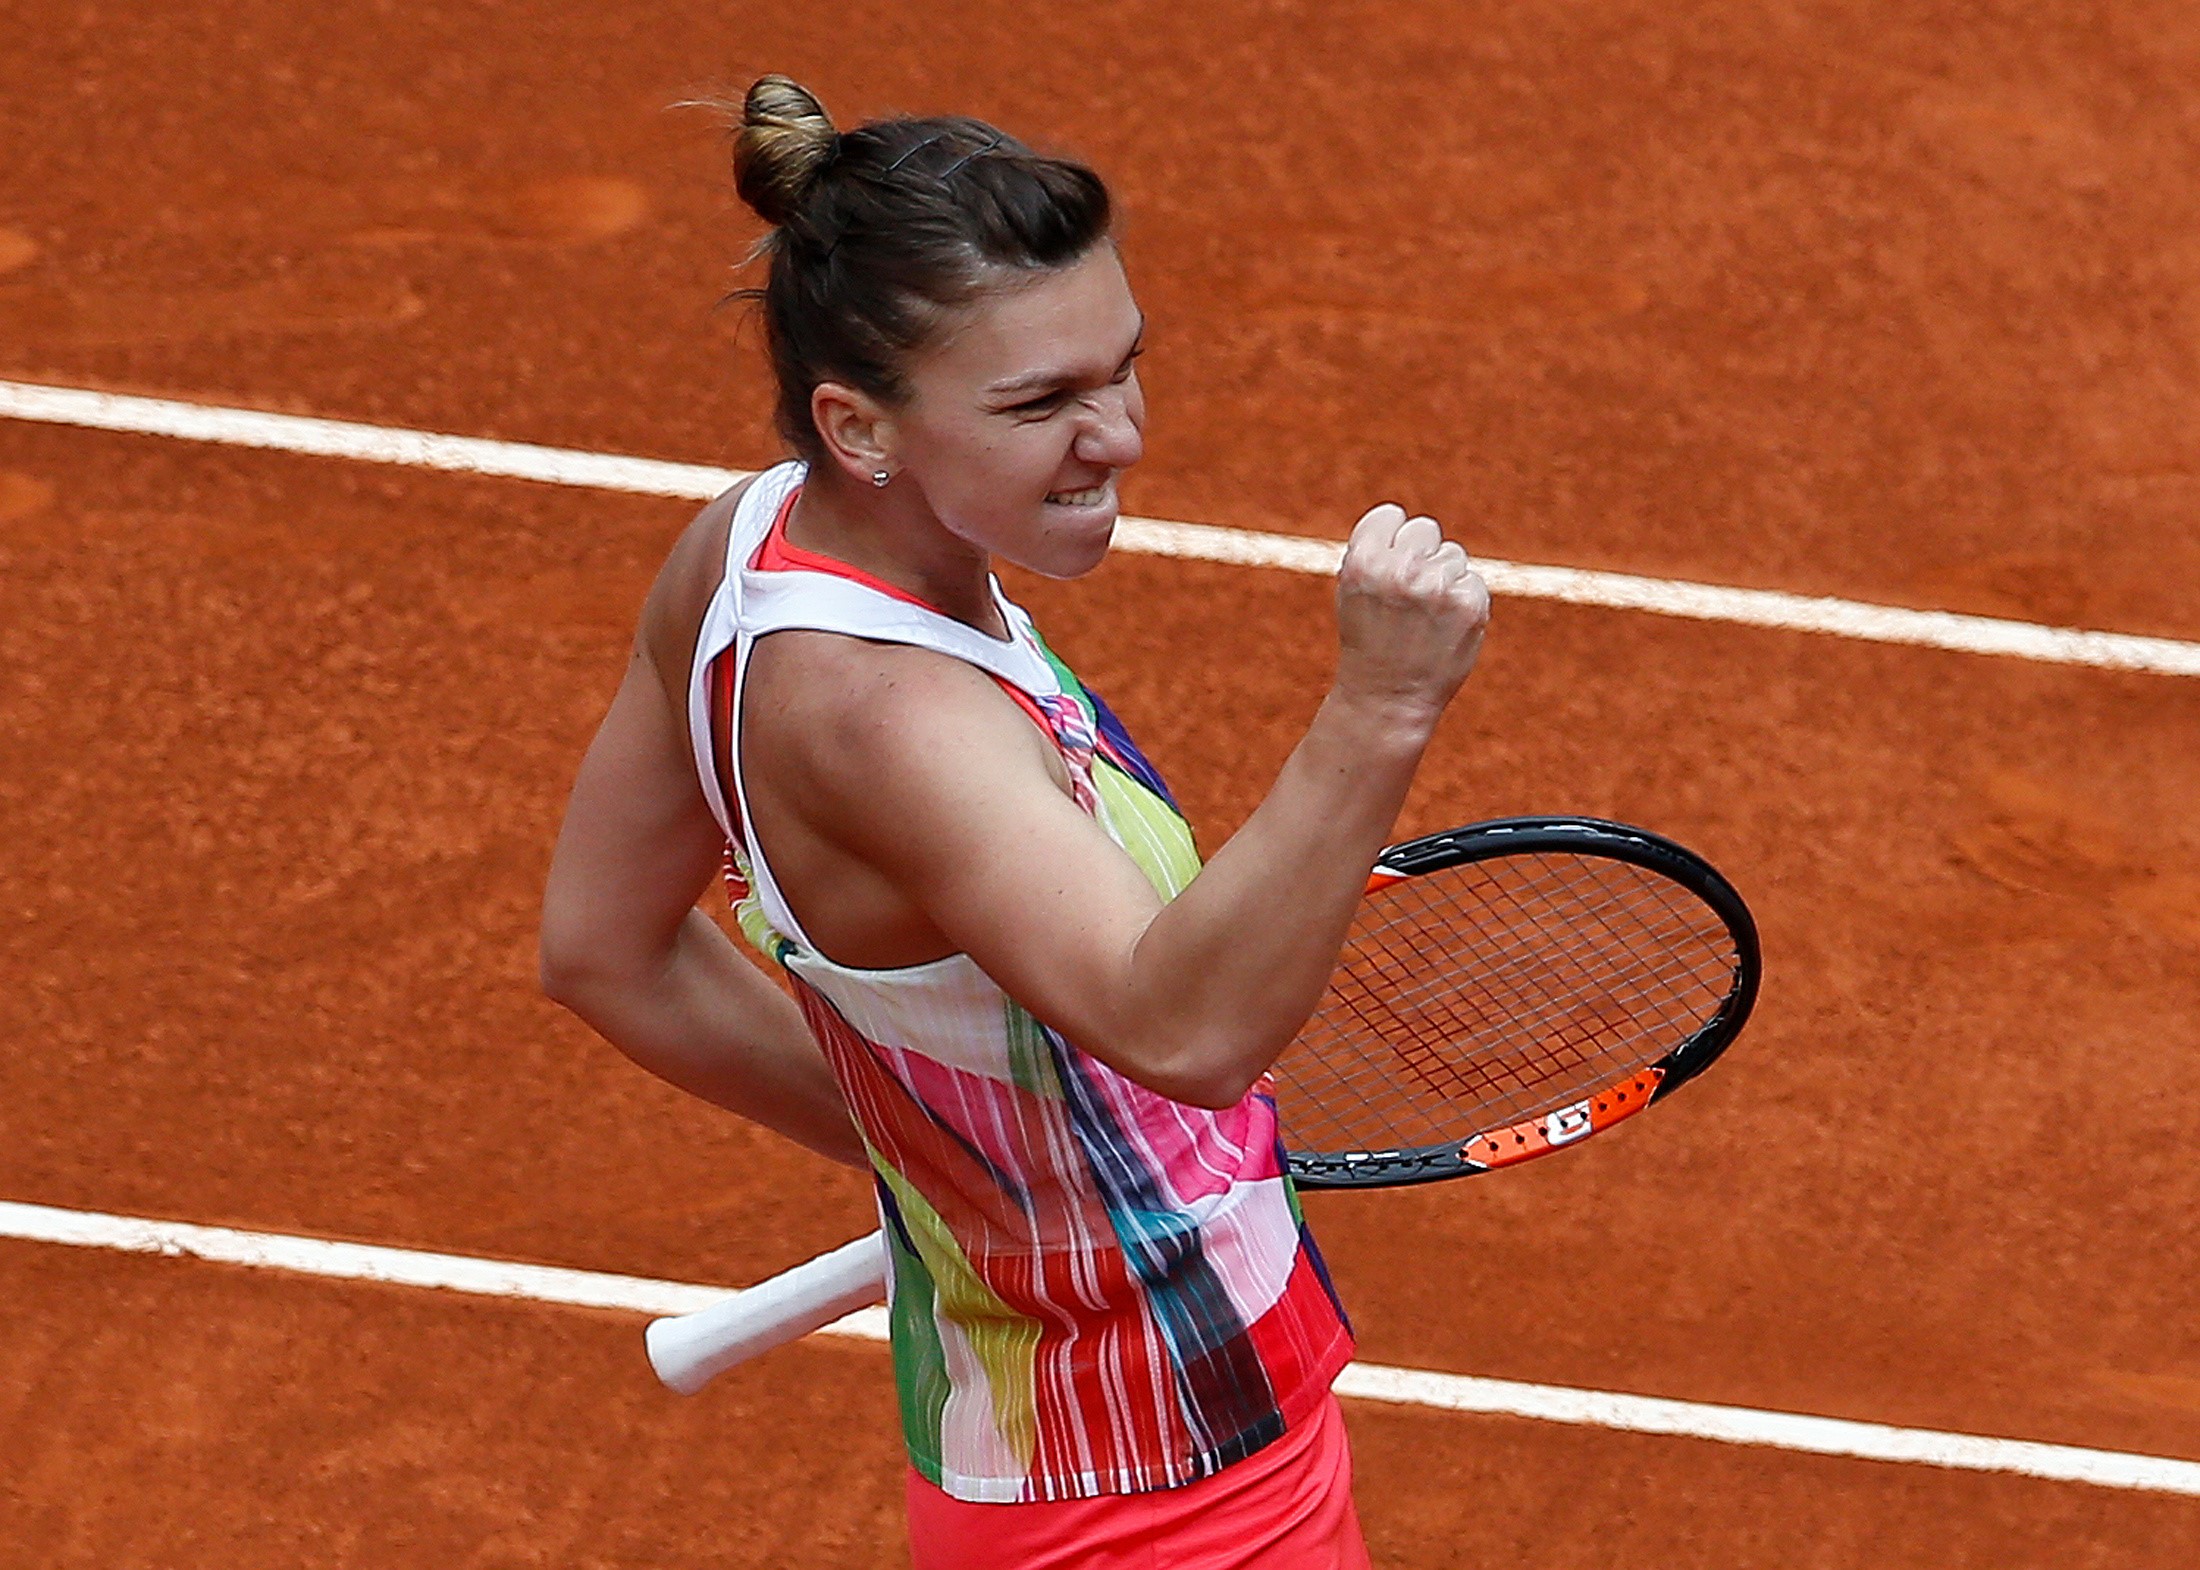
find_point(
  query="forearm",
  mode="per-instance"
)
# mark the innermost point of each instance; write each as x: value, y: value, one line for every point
x: 704, y: 1019
x: 1226, y: 974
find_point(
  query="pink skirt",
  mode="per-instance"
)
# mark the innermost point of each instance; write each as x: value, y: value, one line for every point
x: 1286, y: 1507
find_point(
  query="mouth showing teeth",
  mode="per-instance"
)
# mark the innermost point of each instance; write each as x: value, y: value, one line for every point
x: 1092, y: 496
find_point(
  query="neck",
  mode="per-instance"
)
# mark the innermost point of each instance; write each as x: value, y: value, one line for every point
x: 894, y: 536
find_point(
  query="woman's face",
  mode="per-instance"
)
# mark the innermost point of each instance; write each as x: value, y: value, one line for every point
x: 1021, y: 419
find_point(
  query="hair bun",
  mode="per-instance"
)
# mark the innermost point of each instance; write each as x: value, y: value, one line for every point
x: 785, y: 141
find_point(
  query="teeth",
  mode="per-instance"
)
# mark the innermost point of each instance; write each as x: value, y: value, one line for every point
x: 1086, y: 498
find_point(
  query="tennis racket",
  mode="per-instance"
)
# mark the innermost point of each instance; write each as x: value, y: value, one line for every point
x: 1507, y: 989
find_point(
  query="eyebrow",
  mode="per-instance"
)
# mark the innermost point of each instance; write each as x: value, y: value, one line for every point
x: 1034, y: 381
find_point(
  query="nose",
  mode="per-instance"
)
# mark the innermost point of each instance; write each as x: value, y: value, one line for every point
x: 1113, y: 435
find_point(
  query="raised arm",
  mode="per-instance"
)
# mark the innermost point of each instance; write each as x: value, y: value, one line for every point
x: 624, y: 947
x: 933, y: 778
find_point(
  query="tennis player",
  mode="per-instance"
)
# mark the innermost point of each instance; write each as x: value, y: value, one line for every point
x: 1019, y: 1001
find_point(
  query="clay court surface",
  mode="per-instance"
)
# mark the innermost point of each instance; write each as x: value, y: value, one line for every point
x: 1893, y: 302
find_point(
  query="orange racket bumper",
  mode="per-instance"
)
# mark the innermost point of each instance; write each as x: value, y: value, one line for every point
x: 1508, y: 1147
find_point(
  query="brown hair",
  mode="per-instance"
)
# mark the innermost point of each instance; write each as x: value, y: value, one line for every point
x: 880, y: 233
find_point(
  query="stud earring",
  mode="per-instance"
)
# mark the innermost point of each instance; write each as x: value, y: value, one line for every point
x: 879, y: 477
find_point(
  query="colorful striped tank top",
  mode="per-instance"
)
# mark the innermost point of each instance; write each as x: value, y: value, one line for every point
x: 1093, y: 1289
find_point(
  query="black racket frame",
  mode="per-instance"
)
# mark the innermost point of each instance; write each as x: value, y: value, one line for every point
x: 1581, y: 836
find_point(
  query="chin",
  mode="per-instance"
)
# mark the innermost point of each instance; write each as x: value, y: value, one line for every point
x: 1073, y: 552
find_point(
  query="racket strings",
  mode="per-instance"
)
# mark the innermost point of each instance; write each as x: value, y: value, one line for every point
x: 1607, y: 979
x: 1480, y: 996
x: 1570, y: 1009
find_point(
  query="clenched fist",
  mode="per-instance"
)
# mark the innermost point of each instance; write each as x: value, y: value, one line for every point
x: 1410, y: 615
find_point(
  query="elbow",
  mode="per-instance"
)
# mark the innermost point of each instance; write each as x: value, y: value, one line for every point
x: 1215, y: 1076
x: 564, y: 969
x: 1215, y: 1094
x: 556, y: 976
x: 593, y: 972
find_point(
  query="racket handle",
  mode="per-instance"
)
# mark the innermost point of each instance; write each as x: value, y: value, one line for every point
x: 688, y: 1351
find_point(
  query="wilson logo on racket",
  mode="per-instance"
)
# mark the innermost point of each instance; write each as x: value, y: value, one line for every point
x: 1567, y: 1124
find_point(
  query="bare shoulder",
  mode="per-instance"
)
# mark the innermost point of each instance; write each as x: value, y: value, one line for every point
x: 872, y: 727
x: 849, y: 691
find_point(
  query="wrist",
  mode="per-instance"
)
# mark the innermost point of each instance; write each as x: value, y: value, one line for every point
x: 1384, y: 723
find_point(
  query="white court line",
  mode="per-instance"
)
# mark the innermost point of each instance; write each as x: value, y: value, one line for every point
x: 1368, y: 1382
x: 1146, y: 536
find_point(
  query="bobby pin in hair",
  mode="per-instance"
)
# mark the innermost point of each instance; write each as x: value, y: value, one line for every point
x: 977, y: 152
x: 952, y: 169
x: 916, y: 148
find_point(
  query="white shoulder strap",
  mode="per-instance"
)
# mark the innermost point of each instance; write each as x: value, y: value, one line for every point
x: 752, y: 520
x: 819, y: 602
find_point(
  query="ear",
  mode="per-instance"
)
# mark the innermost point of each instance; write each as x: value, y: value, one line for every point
x: 856, y: 429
